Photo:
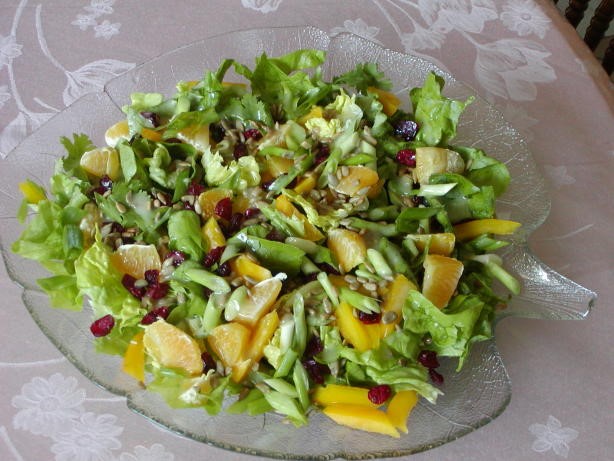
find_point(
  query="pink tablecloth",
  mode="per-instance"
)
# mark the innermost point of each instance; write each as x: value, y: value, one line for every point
x: 518, y: 54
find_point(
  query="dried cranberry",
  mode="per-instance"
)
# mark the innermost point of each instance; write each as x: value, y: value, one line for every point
x: 224, y: 269
x: 292, y: 184
x: 223, y: 208
x: 315, y: 370
x: 117, y: 228
x: 266, y: 185
x: 155, y: 314
x: 323, y: 154
x: 314, y: 346
x: 128, y: 281
x: 208, y: 362
x: 418, y: 200
x: 106, y: 183
x: 217, y: 132
x: 407, y: 157
x: 177, y: 256
x: 368, y: 319
x: 157, y: 291
x: 151, y: 276
x: 428, y: 359
x: 406, y: 130
x: 252, y: 133
x: 325, y: 267
x: 195, y: 189
x: 102, y: 326
x: 236, y: 221
x: 436, y: 377
x: 240, y: 150
x: 188, y: 206
x: 379, y: 394
x: 213, y: 256
x: 152, y: 117
x: 251, y: 213
x: 275, y: 235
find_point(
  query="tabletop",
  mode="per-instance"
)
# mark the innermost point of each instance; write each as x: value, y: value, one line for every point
x: 519, y: 55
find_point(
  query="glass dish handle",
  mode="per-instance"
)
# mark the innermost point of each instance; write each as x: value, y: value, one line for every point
x: 545, y: 294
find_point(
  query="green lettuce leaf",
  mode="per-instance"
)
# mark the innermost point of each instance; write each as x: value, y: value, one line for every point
x: 185, y: 235
x: 436, y: 115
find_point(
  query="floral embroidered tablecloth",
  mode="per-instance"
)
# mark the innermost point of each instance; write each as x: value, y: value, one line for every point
x: 520, y: 55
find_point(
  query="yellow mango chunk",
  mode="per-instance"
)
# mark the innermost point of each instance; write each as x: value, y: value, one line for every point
x: 262, y: 335
x: 212, y: 234
x: 276, y: 166
x: 348, y: 248
x: 389, y: 100
x: 32, y: 192
x: 305, y: 185
x: 284, y: 205
x: 246, y: 267
x: 240, y: 370
x: 337, y: 393
x: 471, y: 229
x: 400, y: 407
x: 439, y: 244
x: 394, y: 300
x: 229, y: 342
x: 357, y: 179
x: 134, y: 358
x: 315, y: 112
x: 352, y: 329
x: 361, y: 417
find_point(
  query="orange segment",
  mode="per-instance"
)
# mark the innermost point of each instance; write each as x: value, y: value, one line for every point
x: 439, y: 244
x: 134, y: 358
x: 472, y: 229
x: 357, y: 179
x: 361, y: 417
x: 441, y: 275
x: 173, y: 347
x: 348, y: 248
x: 120, y: 132
x: 100, y: 162
x: 197, y: 136
x: 135, y: 259
x: 389, y: 101
x: 261, y: 298
x: 229, y: 342
x: 209, y: 199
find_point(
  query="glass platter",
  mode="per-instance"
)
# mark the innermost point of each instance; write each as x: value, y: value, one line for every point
x: 473, y: 397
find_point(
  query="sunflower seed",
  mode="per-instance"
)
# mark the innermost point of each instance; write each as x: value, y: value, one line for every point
x: 120, y: 207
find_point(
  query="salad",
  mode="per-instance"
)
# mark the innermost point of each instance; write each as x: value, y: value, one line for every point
x: 290, y: 244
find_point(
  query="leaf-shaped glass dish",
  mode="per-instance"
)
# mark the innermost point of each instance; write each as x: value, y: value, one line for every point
x: 473, y: 397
